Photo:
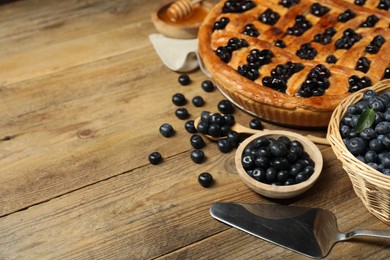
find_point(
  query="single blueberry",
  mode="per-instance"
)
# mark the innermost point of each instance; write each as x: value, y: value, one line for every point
x: 197, y: 156
x: 205, y: 179
x: 190, y: 127
x: 225, y: 106
x: 248, y: 161
x: 383, y: 128
x: 184, y: 80
x: 256, y: 124
x: 224, y: 146
x: 167, y: 130
x: 197, y: 141
x: 357, y: 146
x: 376, y: 145
x: 155, y: 158
x: 278, y: 149
x: 233, y: 138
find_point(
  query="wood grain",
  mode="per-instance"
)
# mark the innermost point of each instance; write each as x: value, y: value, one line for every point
x: 82, y: 96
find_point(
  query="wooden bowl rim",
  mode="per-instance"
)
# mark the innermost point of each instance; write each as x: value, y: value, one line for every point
x: 156, y: 19
x: 274, y: 191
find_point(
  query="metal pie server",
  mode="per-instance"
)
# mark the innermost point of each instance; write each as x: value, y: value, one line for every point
x: 308, y: 231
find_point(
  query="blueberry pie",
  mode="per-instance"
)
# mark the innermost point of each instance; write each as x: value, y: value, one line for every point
x: 293, y: 61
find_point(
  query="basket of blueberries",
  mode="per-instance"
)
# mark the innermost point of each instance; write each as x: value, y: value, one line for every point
x: 359, y: 133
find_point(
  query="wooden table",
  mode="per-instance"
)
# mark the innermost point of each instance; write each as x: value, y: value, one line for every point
x: 82, y: 96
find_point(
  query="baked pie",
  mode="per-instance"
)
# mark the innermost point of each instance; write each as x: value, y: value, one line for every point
x: 293, y: 61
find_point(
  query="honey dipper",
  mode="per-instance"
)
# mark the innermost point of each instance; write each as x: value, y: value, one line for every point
x: 180, y: 9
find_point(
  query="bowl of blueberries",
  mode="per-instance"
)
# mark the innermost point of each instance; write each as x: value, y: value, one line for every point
x: 278, y: 164
x: 359, y: 134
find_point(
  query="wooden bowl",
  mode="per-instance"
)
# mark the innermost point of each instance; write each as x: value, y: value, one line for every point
x: 276, y: 191
x: 186, y: 28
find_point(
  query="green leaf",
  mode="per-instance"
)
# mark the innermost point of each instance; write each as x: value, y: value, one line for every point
x: 366, y: 119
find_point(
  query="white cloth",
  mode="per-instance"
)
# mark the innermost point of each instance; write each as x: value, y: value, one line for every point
x: 177, y: 54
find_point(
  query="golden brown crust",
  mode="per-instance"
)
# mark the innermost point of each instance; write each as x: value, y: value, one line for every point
x: 252, y: 93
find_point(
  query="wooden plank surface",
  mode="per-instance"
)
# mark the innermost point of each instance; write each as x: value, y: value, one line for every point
x: 82, y: 95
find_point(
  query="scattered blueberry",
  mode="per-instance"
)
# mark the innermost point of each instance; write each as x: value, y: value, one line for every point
x: 182, y: 113
x: 190, y: 126
x: 205, y: 179
x: 225, y: 107
x: 155, y: 158
x: 207, y: 85
x: 256, y: 123
x: 197, y: 101
x: 224, y: 145
x: 179, y: 99
x: 184, y: 80
x: 233, y: 138
x: 167, y: 130
x: 197, y: 141
x: 197, y: 156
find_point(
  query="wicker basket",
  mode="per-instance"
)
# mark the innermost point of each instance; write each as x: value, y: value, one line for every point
x: 371, y: 186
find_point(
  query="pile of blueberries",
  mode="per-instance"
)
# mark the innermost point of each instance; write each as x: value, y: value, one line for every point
x: 363, y: 64
x: 225, y: 52
x: 372, y: 144
x: 288, y: 3
x: 280, y: 75
x: 221, y: 24
x: 357, y: 83
x: 255, y: 60
x: 306, y: 52
x: 251, y: 30
x: 383, y: 4
x: 237, y: 6
x: 277, y: 161
x: 349, y: 38
x: 346, y: 16
x: 375, y: 44
x: 370, y: 21
x: 269, y: 17
x: 326, y: 37
x: 318, y: 9
x: 316, y: 82
x: 301, y: 25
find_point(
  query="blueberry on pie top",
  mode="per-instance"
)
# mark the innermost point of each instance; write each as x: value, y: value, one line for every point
x: 293, y: 61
